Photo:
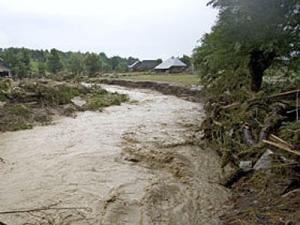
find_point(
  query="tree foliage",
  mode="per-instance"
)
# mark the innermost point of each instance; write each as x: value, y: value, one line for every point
x: 92, y: 64
x: 54, y: 62
x: 24, y: 62
x: 251, y: 34
x: 75, y: 64
x: 187, y: 60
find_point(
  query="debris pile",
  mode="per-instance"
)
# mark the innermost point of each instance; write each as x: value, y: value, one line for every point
x: 259, y: 135
x: 24, y: 104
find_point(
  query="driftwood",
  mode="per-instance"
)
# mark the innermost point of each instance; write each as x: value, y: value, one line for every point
x: 42, y: 209
x: 278, y: 139
x: 273, y: 121
x: 233, y: 105
x: 281, y: 144
x: 292, y: 93
x: 280, y: 96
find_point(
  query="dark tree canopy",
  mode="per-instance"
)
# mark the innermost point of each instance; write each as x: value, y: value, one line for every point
x: 54, y: 62
x: 92, y: 64
x: 254, y: 34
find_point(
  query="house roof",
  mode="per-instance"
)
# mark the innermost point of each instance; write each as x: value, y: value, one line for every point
x: 172, y: 62
x: 148, y: 64
x: 134, y: 64
x: 144, y: 65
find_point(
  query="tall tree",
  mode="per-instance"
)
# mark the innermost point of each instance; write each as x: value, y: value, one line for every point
x: 253, y: 34
x: 42, y: 67
x: 92, y: 64
x: 187, y: 60
x: 23, y: 64
x: 75, y: 64
x: 54, y: 62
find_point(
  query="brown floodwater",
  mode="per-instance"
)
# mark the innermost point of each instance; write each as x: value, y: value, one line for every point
x: 133, y: 164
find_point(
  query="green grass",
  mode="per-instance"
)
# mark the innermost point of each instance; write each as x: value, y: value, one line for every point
x: 178, y: 79
x: 98, y: 101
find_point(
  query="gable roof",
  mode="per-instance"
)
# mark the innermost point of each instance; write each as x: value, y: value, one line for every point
x: 172, y: 62
x: 134, y: 64
x: 144, y: 65
x: 148, y: 64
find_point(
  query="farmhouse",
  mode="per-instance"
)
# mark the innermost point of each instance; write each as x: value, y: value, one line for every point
x: 145, y: 65
x: 172, y: 65
x: 4, y: 69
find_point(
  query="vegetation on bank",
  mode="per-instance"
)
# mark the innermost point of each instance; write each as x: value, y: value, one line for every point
x: 177, y: 79
x: 249, y: 66
x: 32, y: 102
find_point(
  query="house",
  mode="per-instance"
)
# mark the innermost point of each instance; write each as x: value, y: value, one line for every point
x: 172, y: 65
x: 4, y: 69
x: 142, y: 66
x: 133, y: 66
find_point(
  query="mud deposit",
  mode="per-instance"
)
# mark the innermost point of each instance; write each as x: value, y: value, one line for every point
x: 133, y: 164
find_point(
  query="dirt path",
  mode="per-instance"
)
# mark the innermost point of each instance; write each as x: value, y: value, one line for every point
x: 129, y: 165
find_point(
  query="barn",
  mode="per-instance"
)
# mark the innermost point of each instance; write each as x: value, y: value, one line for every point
x: 172, y: 65
x: 4, y: 69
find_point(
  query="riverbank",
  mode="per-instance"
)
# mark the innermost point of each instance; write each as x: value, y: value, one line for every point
x: 28, y: 103
x: 188, y: 93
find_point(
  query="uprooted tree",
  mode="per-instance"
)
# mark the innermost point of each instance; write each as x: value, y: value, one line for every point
x: 254, y: 34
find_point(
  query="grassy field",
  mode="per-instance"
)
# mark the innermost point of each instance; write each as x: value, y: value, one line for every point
x: 178, y: 79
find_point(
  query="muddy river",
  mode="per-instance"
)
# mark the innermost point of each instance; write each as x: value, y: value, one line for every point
x: 133, y: 164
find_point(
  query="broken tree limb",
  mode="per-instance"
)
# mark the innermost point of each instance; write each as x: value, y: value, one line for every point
x: 282, y: 147
x: 235, y: 104
x: 285, y: 94
x: 273, y: 121
x: 43, y: 209
x: 278, y: 139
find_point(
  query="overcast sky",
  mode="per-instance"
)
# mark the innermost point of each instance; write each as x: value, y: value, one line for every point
x: 142, y: 28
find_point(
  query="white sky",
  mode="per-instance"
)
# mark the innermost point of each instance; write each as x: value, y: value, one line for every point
x: 141, y: 28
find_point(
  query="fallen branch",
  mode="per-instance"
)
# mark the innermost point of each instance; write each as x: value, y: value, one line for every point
x: 43, y: 209
x: 282, y: 147
x: 278, y: 139
x: 285, y: 94
x: 235, y: 104
x: 273, y: 121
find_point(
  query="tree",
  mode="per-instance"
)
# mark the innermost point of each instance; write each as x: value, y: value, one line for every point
x: 75, y: 64
x: 54, y: 62
x: 119, y: 64
x: 18, y: 60
x: 92, y: 63
x: 42, y: 67
x: 187, y: 60
x: 24, y: 64
x: 254, y: 34
x: 24, y: 61
x: 131, y: 60
x: 105, y: 65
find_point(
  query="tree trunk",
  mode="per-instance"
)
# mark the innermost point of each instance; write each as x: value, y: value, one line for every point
x: 259, y: 62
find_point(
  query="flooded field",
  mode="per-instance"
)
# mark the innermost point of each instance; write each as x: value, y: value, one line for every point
x: 133, y: 164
